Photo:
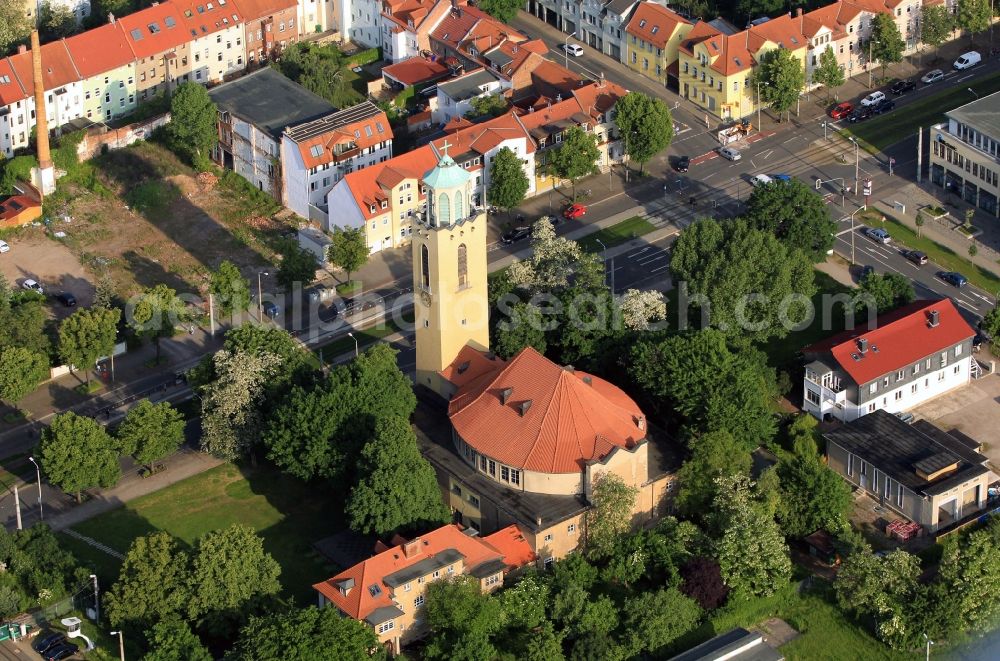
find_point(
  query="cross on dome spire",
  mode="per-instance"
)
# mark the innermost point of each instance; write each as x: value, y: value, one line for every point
x: 444, y: 148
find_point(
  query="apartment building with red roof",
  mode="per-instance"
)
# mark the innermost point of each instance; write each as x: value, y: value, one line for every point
x: 388, y: 591
x: 107, y: 67
x: 407, y: 26
x: 912, y: 355
x: 653, y: 36
x: 160, y: 43
x: 270, y: 26
x: 466, y: 33
x: 215, y: 32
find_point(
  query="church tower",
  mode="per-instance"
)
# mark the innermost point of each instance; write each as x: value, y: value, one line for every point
x: 451, y: 306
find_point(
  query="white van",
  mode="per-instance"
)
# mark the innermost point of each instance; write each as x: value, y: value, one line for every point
x: 970, y: 59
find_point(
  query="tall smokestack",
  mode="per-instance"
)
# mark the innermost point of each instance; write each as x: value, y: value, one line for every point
x: 44, y: 177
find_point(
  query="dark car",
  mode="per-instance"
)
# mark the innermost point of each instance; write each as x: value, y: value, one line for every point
x: 270, y: 309
x: 682, y: 164
x: 885, y: 107
x: 59, y: 652
x: 67, y: 299
x: 861, y: 113
x: 515, y: 235
x: 902, y: 87
x: 953, y: 278
x: 45, y: 642
x: 916, y: 256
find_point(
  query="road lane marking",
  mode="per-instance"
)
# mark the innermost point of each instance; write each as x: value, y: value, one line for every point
x: 660, y: 268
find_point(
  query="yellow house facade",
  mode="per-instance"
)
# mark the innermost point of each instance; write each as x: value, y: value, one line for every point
x: 652, y: 40
x: 715, y: 68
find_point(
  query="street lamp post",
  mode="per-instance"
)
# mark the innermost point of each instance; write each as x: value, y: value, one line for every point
x: 38, y: 473
x: 973, y: 92
x: 351, y: 335
x: 121, y: 644
x: 758, y: 106
x: 929, y: 643
x: 857, y: 164
x: 566, y: 48
x: 260, y: 297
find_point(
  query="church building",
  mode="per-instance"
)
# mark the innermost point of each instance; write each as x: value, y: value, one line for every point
x: 525, y: 439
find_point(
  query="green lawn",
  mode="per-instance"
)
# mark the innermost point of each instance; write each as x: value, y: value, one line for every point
x: 881, y: 132
x: 365, y: 338
x: 289, y: 514
x: 617, y: 234
x: 938, y: 253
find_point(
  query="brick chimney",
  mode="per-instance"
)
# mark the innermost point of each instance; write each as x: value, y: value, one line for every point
x: 412, y: 548
x: 43, y: 177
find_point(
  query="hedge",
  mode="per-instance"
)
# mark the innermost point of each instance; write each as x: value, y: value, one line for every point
x: 364, y: 57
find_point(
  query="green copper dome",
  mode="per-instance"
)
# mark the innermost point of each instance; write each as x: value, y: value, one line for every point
x: 446, y: 174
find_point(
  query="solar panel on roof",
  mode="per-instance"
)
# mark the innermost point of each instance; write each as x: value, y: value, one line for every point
x: 336, y: 120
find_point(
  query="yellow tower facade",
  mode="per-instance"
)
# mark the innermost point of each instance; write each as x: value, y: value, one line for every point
x: 451, y: 306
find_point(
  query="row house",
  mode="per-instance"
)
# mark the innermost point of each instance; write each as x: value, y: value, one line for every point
x: 316, y: 155
x: 653, y: 37
x: 107, y: 67
x: 160, y: 43
x: 388, y: 590
x: 906, y: 15
x: 363, y: 24
x: 215, y: 33
x: 913, y: 354
x: 840, y: 27
x: 715, y: 67
x: 406, y: 26
x: 316, y: 16
x: 465, y: 34
x: 270, y: 27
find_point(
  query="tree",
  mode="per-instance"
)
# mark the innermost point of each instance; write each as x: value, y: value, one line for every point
x: 488, y: 105
x: 303, y: 634
x: 780, y: 76
x: 888, y: 291
x: 348, y: 249
x: 641, y: 308
x: 757, y: 288
x: 322, y: 70
x: 193, y: 130
x: 319, y: 432
x: 921, y: 220
x: 298, y: 265
x: 795, y: 214
x: 397, y: 489
x: 653, y: 620
x: 156, y: 313
x: 462, y: 620
x: 886, y: 44
x: 991, y: 324
x: 230, y: 289
x: 229, y: 569
x: 88, y: 334
x: 828, y: 73
x: 152, y: 584
x: 55, y: 21
x: 255, y: 339
x: 14, y: 24
x: 504, y: 10
x: 936, y: 26
x: 231, y: 416
x: 813, y: 496
x: 23, y: 324
x: 523, y: 326
x: 78, y: 454
x: 525, y: 604
x: 715, y: 388
x: 752, y: 554
x: 576, y: 157
x: 150, y: 432
x: 21, y: 371
x: 645, y: 124
x: 974, y: 16
x: 610, y: 514
x: 173, y: 640
x: 702, y: 581
x: 880, y: 588
x: 970, y: 569
x: 713, y: 455
x: 508, y: 182
x: 753, y: 8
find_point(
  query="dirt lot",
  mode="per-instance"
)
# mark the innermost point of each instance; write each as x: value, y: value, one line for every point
x: 47, y: 261
x: 142, y: 217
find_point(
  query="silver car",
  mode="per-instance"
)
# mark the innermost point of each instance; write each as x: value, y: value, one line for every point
x: 932, y: 77
x: 730, y: 153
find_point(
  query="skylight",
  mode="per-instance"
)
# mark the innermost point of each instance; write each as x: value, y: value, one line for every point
x: 656, y: 28
x: 153, y: 28
x: 201, y: 9
x: 316, y: 150
x: 188, y: 13
x: 368, y: 131
x: 378, y: 125
x: 642, y: 23
x: 136, y: 34
x: 169, y: 21
x: 374, y: 590
x: 6, y: 79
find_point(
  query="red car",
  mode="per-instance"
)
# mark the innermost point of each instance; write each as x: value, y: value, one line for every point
x: 842, y: 110
x: 574, y: 211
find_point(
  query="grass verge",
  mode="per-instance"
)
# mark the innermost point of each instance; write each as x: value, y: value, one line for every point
x: 617, y: 234
x: 288, y: 514
x: 943, y: 255
x: 878, y: 133
x: 365, y: 338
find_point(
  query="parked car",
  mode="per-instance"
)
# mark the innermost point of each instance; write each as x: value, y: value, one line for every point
x: 575, y: 211
x: 902, y: 87
x: 932, y: 76
x: 861, y: 113
x: 515, y: 235
x: 47, y: 641
x: 842, y: 110
x: 31, y: 285
x: 967, y: 60
x: 60, y: 652
x: 885, y: 107
x: 782, y: 177
x: 270, y: 309
x: 730, y: 153
x: 4, y: 247
x: 576, y: 50
x: 878, y: 235
x: 760, y: 180
x: 67, y: 299
x: 874, y: 98
x: 916, y: 256
x: 953, y: 278
x: 682, y: 163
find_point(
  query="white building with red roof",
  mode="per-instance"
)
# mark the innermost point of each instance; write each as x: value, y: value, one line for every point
x: 388, y: 591
x: 914, y: 354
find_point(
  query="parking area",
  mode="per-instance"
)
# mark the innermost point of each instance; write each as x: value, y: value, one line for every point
x: 48, y: 262
x: 972, y: 411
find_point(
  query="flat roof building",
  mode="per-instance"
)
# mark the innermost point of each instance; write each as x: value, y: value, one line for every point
x: 965, y: 153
